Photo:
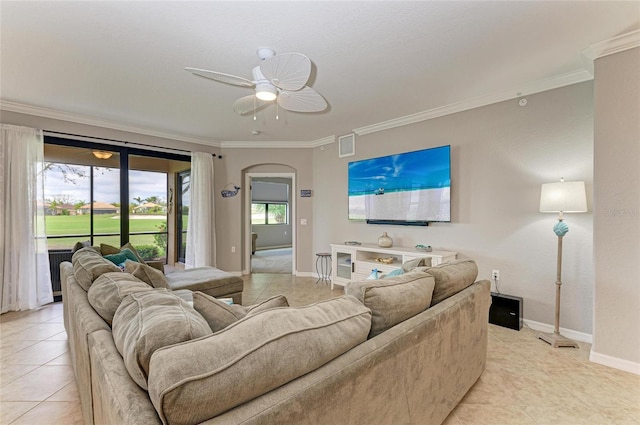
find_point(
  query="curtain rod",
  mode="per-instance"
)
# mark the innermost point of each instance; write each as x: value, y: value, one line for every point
x: 119, y: 142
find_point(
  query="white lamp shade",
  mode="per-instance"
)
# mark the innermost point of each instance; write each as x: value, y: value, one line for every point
x: 566, y: 197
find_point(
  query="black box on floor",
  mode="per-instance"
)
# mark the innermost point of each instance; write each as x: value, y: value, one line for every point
x: 506, y: 311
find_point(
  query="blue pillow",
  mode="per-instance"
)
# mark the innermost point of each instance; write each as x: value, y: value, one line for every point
x: 396, y: 272
x: 121, y: 257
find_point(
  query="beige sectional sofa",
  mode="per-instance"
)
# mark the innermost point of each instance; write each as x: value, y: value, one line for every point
x: 384, y: 353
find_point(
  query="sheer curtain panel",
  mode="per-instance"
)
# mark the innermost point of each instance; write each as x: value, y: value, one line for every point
x: 201, y: 231
x: 24, y: 262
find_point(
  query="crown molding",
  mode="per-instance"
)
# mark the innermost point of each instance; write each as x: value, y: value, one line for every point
x: 271, y: 144
x: 278, y: 144
x: 10, y: 106
x: 613, y: 45
x: 527, y: 89
x: 321, y: 142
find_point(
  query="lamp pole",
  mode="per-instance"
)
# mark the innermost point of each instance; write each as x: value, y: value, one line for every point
x: 555, y: 339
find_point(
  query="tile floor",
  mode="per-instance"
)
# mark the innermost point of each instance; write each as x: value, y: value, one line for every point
x: 526, y: 381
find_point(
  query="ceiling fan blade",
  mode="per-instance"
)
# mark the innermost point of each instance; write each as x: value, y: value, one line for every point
x: 305, y: 100
x: 221, y: 77
x: 288, y: 71
x: 247, y: 104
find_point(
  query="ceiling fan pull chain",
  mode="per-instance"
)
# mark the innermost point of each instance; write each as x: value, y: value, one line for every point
x: 254, y: 108
x: 277, y: 110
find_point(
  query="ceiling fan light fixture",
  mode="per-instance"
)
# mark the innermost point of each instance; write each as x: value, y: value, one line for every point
x: 266, y: 92
x: 102, y: 154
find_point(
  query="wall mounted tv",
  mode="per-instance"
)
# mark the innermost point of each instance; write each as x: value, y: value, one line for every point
x: 411, y: 188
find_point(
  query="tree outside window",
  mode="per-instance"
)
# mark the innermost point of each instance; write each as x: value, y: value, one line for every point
x: 269, y: 213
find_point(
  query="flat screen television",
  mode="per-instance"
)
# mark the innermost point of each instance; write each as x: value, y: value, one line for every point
x: 411, y: 188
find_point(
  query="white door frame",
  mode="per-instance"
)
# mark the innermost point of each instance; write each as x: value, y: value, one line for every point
x: 247, y: 217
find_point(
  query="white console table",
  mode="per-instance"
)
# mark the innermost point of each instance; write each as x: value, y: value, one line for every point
x: 355, y: 262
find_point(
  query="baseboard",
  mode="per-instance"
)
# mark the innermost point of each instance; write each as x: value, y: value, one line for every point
x: 306, y: 274
x: 569, y: 333
x: 626, y: 365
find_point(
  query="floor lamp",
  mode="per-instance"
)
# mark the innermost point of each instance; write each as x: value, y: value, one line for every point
x: 561, y: 197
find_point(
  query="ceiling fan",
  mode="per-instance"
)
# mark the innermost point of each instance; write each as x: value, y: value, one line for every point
x: 278, y: 77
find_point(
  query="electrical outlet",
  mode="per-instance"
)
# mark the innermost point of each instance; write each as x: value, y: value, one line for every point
x: 233, y: 249
x: 495, y: 275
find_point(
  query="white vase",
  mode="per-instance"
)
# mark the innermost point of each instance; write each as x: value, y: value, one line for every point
x: 385, y: 241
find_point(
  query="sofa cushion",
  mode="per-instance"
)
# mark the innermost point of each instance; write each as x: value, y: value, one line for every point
x: 394, y: 299
x: 147, y: 321
x: 120, y: 258
x: 108, y: 291
x: 88, y: 265
x: 210, y: 280
x: 194, y: 381
x: 148, y: 274
x: 452, y: 278
x: 219, y: 314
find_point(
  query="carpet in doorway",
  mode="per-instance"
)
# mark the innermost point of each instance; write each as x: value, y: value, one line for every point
x: 271, y: 261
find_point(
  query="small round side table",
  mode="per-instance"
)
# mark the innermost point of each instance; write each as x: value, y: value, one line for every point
x: 323, y: 267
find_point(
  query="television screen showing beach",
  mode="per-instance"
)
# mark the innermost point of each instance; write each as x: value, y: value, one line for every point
x: 411, y: 186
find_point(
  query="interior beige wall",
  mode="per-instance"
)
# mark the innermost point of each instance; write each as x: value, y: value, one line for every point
x: 617, y: 207
x: 230, y: 212
x: 501, y: 154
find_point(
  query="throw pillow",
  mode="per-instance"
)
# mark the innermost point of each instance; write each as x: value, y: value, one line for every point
x: 108, y: 291
x: 80, y: 245
x: 109, y: 250
x: 147, y: 321
x: 88, y: 264
x: 219, y: 314
x: 252, y: 357
x: 148, y: 274
x: 393, y: 273
x: 121, y: 257
x: 410, y: 265
x: 135, y: 251
x: 393, y: 300
x: 452, y: 278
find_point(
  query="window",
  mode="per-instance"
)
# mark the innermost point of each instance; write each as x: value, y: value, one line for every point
x: 118, y: 197
x: 269, y: 213
x: 70, y: 216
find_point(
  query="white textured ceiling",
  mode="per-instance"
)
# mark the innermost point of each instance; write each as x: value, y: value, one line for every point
x: 373, y: 61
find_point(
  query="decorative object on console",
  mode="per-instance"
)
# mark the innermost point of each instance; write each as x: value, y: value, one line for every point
x: 355, y: 243
x: 561, y: 197
x: 385, y: 241
x: 374, y: 275
x: 386, y: 260
x: 227, y: 193
x: 425, y: 248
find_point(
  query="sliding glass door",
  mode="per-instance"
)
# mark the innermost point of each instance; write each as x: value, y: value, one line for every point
x: 82, y: 197
x: 113, y: 195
